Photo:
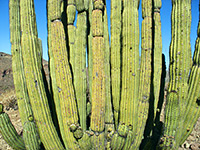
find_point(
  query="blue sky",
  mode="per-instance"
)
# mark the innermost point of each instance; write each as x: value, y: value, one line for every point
x: 40, y: 8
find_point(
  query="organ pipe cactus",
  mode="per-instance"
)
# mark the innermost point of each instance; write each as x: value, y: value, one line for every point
x: 120, y: 106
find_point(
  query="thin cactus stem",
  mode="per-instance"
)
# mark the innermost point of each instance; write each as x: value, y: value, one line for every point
x: 116, y: 9
x: 157, y: 54
x: 108, y: 108
x: 80, y: 63
x: 145, y: 71
x: 90, y: 55
x: 71, y: 12
x: 31, y: 141
x: 9, y: 133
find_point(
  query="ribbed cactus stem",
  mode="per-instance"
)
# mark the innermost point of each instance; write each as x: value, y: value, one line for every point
x: 18, y: 71
x: 64, y: 86
x: 31, y: 141
x: 97, y: 122
x: 145, y: 71
x: 80, y: 66
x: 193, y: 106
x: 71, y: 29
x: 90, y: 9
x: 98, y: 141
x: 80, y: 5
x: 34, y: 79
x: 180, y: 50
x: 55, y: 7
x: 180, y: 62
x: 157, y: 53
x: 17, y: 65
x: 108, y: 109
x: 130, y: 64
x: 116, y: 10
x: 9, y: 133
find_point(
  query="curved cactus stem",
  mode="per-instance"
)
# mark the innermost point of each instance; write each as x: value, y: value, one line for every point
x: 23, y: 100
x: 64, y: 86
x: 85, y: 142
x: 180, y: 63
x: 116, y: 10
x: 117, y: 142
x: 193, y: 106
x: 17, y: 63
x: 145, y: 71
x: 31, y: 141
x: 34, y: 79
x: 9, y: 133
x: 172, y: 114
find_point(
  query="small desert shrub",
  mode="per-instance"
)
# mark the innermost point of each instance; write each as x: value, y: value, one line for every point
x: 8, y: 99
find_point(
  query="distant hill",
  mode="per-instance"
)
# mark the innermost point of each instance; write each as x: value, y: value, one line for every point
x: 6, y: 74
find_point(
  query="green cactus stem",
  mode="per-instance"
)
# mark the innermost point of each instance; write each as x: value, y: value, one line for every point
x: 116, y: 19
x: 108, y: 108
x: 71, y: 12
x: 55, y: 7
x: 98, y: 86
x: 193, y: 107
x: 85, y: 142
x: 80, y: 5
x: 145, y: 71
x: 80, y: 66
x: 90, y: 52
x: 98, y: 140
x: 157, y: 54
x: 34, y: 79
x: 17, y: 65
x: 9, y: 133
x: 180, y: 63
x: 63, y: 86
x: 23, y: 100
x: 31, y: 141
x: 130, y: 64
x: 97, y: 123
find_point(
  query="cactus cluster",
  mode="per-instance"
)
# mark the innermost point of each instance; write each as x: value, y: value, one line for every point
x: 112, y: 100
